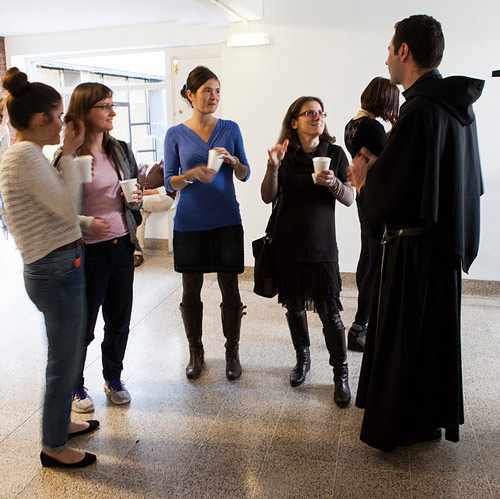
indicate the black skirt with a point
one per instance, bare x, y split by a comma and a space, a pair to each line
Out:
214, 250
309, 283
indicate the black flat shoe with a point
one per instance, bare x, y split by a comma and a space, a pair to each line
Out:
50, 462
93, 425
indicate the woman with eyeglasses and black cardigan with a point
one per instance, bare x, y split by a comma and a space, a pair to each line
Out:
303, 239
109, 249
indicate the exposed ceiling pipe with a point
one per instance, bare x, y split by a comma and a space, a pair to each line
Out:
244, 20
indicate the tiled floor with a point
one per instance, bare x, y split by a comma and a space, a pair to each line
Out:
253, 438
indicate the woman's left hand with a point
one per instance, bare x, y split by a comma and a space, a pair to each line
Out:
325, 177
228, 158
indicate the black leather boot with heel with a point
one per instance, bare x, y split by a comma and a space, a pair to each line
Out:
334, 332
297, 323
231, 326
192, 318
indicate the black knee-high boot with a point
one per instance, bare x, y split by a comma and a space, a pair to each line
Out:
231, 326
192, 318
334, 332
297, 323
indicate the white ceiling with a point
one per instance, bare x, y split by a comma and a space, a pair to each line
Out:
24, 17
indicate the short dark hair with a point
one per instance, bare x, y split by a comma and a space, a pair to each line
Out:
196, 78
26, 99
424, 36
287, 132
381, 98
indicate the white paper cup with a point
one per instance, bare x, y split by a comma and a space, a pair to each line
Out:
128, 187
214, 160
84, 165
321, 163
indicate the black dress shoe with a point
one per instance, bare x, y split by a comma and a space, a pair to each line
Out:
51, 462
302, 367
93, 425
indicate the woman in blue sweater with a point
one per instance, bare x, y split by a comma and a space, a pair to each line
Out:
208, 235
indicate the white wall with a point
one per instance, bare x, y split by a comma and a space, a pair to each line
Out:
331, 50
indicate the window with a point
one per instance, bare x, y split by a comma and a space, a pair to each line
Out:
140, 98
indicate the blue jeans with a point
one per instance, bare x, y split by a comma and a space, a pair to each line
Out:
56, 285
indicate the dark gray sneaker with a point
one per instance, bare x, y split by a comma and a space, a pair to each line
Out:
116, 391
82, 402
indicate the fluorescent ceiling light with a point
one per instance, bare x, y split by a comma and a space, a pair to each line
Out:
248, 39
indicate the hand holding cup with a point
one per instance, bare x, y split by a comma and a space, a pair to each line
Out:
216, 158
129, 190
321, 164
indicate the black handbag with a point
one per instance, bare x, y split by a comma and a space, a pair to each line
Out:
264, 272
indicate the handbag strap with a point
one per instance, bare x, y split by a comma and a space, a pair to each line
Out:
274, 212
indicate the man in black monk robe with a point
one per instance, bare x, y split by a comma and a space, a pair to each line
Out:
427, 183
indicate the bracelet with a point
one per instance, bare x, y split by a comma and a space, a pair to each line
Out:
185, 180
237, 161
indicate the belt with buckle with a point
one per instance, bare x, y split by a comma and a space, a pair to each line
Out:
72, 245
389, 235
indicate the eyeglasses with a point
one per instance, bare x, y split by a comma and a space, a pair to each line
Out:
106, 108
312, 114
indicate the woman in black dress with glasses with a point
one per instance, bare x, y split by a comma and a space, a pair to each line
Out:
304, 240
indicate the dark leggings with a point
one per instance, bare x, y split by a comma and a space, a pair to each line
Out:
192, 283
326, 308
366, 275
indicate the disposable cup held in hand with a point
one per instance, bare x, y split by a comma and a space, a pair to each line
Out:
84, 165
128, 187
214, 160
321, 163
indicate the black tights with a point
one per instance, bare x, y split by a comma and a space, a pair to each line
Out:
326, 308
192, 283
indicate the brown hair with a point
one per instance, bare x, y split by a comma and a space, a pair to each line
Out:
26, 99
287, 132
84, 96
424, 37
196, 78
381, 98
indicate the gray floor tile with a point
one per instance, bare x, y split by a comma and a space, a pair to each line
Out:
446, 485
284, 476
352, 482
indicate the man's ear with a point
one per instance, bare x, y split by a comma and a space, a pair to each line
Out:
404, 51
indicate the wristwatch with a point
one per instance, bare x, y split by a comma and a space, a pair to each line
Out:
185, 180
